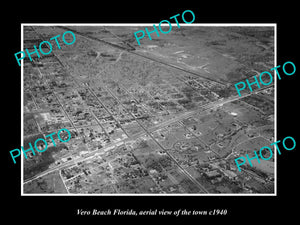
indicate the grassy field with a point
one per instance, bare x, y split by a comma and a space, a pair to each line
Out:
51, 183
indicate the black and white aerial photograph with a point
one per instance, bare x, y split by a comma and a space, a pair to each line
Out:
159, 118
149, 113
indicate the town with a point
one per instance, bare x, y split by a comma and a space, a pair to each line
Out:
161, 118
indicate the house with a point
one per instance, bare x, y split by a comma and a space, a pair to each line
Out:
212, 174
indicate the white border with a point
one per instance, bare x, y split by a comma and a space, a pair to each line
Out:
22, 111
151, 24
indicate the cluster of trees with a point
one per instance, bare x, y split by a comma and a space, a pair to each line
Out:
40, 162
